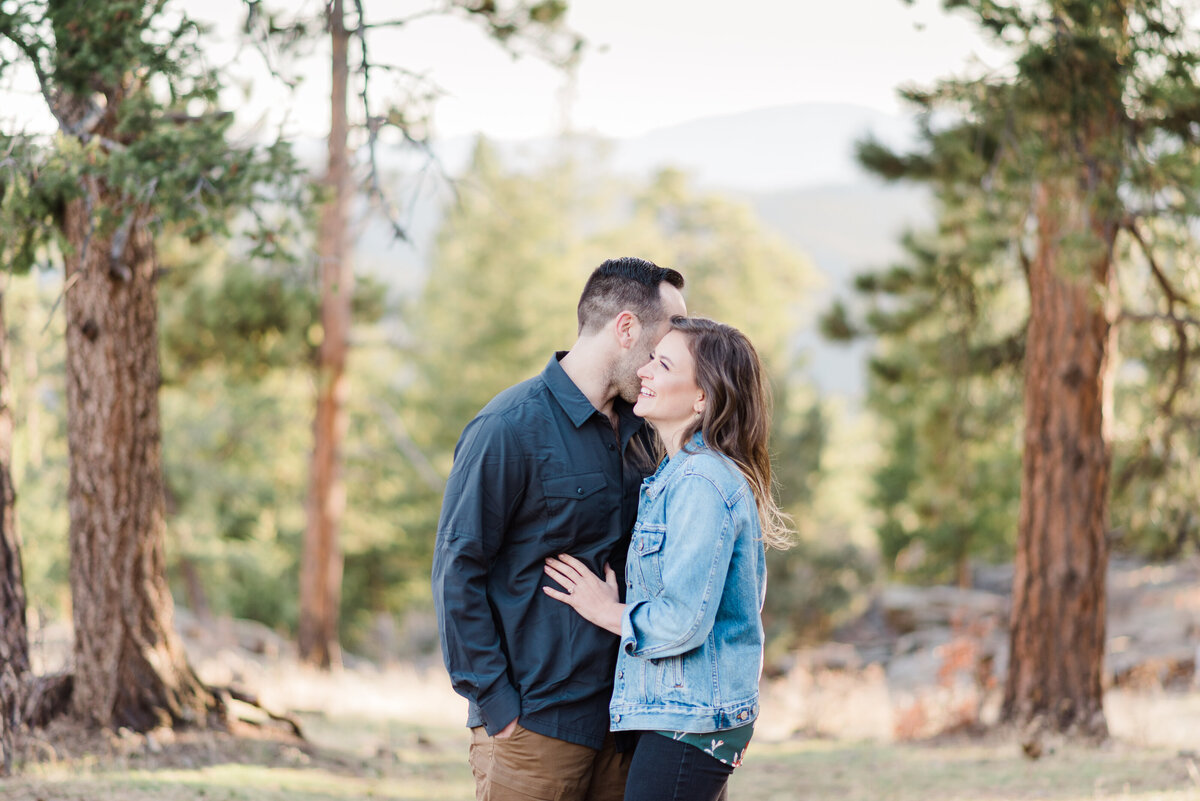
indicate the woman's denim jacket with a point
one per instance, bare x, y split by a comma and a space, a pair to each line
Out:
691, 635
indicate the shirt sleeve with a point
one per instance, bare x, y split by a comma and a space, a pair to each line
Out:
485, 485
697, 550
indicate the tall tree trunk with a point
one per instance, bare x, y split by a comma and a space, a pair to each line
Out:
1058, 615
321, 560
130, 667
14, 637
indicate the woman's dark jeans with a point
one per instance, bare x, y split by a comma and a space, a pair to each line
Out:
667, 770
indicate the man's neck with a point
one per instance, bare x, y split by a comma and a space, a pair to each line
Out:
589, 372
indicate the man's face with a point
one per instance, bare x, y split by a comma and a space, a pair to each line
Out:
628, 383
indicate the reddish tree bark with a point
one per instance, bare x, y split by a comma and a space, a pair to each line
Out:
1058, 617
1057, 635
14, 637
130, 668
321, 560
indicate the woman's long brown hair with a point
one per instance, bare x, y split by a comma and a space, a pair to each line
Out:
737, 412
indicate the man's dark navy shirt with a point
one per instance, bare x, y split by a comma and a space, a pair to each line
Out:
538, 472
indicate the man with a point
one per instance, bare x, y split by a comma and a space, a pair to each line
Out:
552, 465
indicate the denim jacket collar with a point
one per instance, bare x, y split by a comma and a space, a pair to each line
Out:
655, 485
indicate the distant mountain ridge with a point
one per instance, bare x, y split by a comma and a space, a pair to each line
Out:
768, 149
794, 165
845, 230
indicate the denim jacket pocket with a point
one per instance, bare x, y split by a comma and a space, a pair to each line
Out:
670, 675
645, 552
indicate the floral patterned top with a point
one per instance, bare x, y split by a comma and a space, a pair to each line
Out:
728, 746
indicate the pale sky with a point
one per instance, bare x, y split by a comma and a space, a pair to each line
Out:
667, 61
650, 63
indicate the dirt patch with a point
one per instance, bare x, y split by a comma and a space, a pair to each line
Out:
64, 742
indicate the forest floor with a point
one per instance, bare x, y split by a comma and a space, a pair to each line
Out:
834, 725
397, 734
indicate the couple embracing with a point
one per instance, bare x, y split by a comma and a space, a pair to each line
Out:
599, 570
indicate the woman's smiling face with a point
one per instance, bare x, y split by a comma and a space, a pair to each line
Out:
669, 398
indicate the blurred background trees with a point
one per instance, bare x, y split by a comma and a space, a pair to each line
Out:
922, 484
535, 27
1061, 187
141, 145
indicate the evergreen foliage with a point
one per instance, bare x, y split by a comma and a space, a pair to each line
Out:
951, 318
137, 113
512, 257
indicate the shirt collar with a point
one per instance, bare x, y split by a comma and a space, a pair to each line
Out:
569, 397
578, 408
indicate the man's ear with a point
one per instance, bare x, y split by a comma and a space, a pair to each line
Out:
628, 329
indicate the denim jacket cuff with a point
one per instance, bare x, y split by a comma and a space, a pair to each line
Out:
628, 637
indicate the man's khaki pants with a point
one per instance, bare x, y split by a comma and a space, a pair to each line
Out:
528, 766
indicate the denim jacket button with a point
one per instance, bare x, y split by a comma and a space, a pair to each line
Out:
743, 715
616, 718
579, 490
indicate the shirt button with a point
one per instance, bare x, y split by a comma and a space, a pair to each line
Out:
579, 490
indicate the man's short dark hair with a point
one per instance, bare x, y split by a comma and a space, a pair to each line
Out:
627, 283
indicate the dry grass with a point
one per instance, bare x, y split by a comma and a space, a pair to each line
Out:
961, 771
397, 734
429, 763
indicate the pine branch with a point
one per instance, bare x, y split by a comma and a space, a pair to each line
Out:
374, 124
1173, 295
405, 443
1173, 319
1179, 323
401, 22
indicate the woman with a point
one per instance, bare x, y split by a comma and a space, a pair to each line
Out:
691, 633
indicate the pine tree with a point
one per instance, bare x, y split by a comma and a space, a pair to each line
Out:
499, 300
140, 143
1075, 169
519, 27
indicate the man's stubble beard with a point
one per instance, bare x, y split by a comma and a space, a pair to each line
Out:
625, 377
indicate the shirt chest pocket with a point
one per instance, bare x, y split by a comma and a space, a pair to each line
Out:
576, 508
645, 557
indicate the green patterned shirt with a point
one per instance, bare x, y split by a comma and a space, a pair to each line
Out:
728, 746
